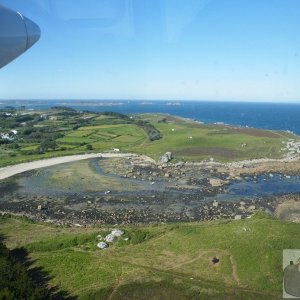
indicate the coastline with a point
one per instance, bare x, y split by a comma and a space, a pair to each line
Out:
286, 164
110, 209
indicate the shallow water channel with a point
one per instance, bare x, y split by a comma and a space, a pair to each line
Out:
40, 182
266, 185
82, 192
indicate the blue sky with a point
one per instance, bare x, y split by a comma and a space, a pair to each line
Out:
246, 50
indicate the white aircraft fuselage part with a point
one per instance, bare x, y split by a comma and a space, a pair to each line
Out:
17, 34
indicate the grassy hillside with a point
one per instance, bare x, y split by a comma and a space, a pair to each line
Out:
190, 140
161, 261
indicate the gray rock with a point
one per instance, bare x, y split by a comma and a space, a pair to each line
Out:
110, 238
215, 203
117, 232
165, 158
252, 207
102, 245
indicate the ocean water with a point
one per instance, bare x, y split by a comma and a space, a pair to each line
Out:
275, 116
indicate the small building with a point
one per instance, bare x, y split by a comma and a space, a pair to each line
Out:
44, 116
5, 136
116, 149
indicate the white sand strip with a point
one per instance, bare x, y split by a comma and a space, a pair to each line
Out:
38, 164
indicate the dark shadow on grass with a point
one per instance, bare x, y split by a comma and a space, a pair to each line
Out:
40, 276
2, 238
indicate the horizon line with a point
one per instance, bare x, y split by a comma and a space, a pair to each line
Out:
154, 100
162, 100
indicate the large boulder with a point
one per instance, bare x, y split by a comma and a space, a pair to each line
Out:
117, 232
102, 245
215, 204
165, 158
110, 238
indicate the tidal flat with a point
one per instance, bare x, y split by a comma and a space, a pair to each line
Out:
132, 190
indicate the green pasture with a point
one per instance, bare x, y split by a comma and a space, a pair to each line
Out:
106, 137
186, 139
193, 141
172, 260
29, 147
22, 158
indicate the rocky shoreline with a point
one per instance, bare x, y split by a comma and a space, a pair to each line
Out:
189, 195
206, 212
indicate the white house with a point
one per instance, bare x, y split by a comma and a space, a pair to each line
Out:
5, 136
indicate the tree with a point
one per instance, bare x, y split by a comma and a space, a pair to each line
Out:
47, 144
15, 281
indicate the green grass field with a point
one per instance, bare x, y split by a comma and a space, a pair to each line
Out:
106, 137
190, 140
161, 261
186, 139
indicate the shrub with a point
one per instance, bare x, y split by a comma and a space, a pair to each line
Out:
59, 243
47, 144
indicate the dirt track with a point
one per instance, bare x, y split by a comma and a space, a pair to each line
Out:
9, 171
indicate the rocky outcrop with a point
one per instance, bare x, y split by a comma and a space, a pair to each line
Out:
215, 182
165, 158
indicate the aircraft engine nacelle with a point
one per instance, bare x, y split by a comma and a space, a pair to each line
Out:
17, 34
